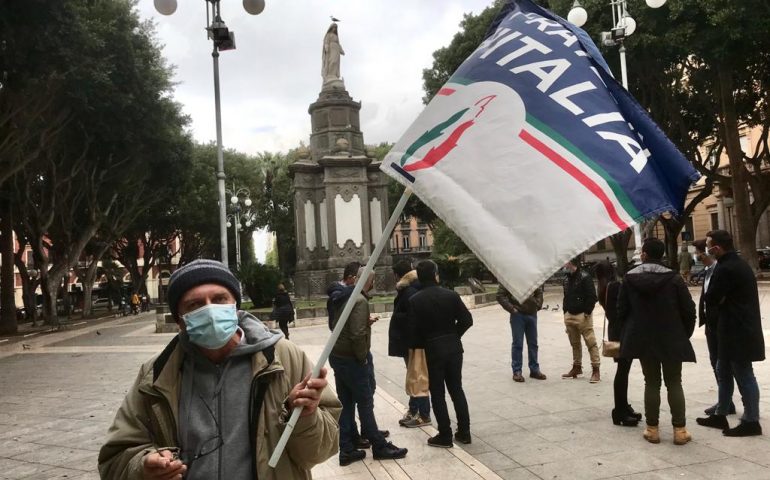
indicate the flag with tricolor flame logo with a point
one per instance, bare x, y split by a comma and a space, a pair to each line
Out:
533, 152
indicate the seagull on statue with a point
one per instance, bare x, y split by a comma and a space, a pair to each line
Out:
334, 19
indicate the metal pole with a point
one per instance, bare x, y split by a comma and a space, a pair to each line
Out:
220, 162
238, 237
384, 239
637, 229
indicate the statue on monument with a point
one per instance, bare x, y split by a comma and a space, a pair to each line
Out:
330, 59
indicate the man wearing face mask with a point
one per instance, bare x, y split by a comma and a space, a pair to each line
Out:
578, 305
708, 317
214, 403
733, 298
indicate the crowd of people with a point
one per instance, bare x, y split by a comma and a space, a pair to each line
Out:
214, 403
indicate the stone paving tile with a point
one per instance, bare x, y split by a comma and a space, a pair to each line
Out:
10, 468
728, 468
56, 474
529, 454
600, 466
496, 460
446, 470
11, 448
55, 456
517, 474
676, 473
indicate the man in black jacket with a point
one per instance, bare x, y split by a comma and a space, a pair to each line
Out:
657, 313
578, 305
398, 338
709, 317
733, 295
438, 318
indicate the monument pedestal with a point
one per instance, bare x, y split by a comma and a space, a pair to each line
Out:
341, 198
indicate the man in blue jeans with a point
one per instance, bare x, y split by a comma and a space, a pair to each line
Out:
732, 294
523, 324
350, 358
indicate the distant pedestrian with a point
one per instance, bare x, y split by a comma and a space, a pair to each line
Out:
135, 303
578, 305
407, 285
439, 318
145, 303
708, 317
685, 263
609, 288
283, 310
523, 318
658, 317
732, 296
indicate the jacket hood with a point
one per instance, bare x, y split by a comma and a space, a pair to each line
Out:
650, 277
338, 292
409, 278
256, 337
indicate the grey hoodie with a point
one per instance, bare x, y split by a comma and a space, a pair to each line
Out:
214, 405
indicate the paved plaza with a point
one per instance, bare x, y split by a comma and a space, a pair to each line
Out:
59, 394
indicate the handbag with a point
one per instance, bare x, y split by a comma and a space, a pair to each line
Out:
610, 348
417, 374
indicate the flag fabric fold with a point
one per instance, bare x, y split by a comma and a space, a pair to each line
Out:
532, 151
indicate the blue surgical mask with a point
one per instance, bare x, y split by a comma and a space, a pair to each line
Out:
211, 326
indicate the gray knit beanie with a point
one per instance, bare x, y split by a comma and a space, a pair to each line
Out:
199, 272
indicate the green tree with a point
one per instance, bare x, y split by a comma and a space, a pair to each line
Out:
195, 208
276, 210
123, 137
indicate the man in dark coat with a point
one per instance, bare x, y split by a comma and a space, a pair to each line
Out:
578, 305
733, 295
438, 318
709, 318
658, 317
398, 338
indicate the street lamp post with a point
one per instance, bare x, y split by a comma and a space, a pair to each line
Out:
222, 39
623, 26
239, 214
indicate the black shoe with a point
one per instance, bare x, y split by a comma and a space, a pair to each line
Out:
631, 412
714, 421
346, 458
624, 417
389, 452
744, 429
712, 410
439, 441
463, 437
361, 443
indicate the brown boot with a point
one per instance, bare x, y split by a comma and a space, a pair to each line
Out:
595, 374
681, 436
574, 372
651, 434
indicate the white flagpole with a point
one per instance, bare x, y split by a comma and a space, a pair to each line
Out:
384, 238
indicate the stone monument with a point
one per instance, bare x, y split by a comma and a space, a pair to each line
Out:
340, 195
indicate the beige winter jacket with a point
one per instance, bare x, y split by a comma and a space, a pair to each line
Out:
148, 418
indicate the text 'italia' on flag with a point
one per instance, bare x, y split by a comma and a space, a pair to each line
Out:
532, 151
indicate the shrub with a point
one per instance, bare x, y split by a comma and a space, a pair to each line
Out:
260, 282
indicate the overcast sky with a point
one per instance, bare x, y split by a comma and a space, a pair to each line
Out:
275, 73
